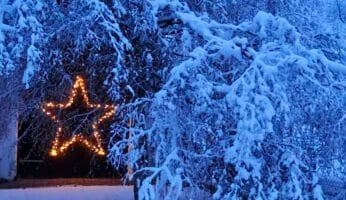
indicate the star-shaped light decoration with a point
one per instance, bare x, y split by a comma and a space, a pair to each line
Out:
60, 146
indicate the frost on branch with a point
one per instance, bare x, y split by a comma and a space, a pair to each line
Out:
20, 34
220, 122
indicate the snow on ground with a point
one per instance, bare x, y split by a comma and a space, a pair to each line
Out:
69, 192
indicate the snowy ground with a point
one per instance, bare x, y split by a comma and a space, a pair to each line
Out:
69, 192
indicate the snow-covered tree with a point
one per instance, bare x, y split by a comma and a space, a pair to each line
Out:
222, 120
80, 38
20, 36
47, 45
216, 99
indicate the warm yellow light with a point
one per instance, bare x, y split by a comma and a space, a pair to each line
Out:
53, 152
109, 111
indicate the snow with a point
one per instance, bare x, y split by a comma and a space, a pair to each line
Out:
254, 75
284, 32
263, 55
69, 192
317, 55
33, 56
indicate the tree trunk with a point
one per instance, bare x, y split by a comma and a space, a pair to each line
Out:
8, 149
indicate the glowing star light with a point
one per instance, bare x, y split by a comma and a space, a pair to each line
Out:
59, 146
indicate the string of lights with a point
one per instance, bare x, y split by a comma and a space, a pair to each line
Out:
58, 146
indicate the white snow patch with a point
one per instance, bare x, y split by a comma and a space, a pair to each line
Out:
69, 192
